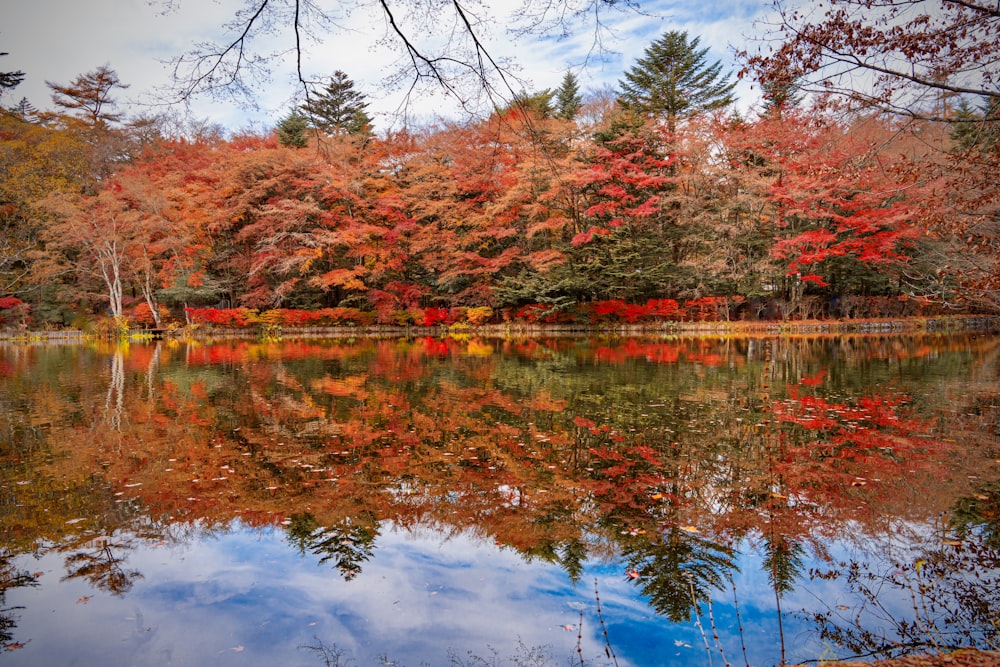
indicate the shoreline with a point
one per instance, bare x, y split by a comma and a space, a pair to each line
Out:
986, 324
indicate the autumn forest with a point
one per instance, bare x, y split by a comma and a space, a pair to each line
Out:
656, 200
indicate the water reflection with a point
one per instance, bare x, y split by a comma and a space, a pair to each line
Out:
778, 499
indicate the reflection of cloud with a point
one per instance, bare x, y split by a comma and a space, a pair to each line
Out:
248, 597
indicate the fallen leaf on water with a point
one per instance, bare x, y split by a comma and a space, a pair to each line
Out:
13, 646
842, 607
567, 628
83, 600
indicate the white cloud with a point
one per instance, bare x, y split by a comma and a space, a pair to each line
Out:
57, 40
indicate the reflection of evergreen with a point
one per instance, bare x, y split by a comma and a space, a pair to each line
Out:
346, 544
679, 570
571, 556
782, 561
10, 578
979, 514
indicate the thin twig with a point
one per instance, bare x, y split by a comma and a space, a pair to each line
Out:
697, 622
739, 620
608, 651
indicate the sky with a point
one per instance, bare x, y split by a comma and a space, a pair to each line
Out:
58, 40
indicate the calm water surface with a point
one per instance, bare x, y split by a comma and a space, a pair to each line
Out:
485, 502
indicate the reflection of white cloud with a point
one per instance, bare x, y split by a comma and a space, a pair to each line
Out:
249, 598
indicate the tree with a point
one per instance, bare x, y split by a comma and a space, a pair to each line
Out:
9, 80
338, 108
90, 94
972, 192
850, 214
902, 56
912, 59
292, 130
91, 235
35, 161
673, 81
568, 97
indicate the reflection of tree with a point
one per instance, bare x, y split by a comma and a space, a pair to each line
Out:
678, 570
783, 563
952, 594
102, 568
551, 450
114, 402
10, 577
347, 544
979, 513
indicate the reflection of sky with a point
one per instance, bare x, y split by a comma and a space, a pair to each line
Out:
249, 598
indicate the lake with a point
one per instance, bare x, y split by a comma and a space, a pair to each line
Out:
476, 501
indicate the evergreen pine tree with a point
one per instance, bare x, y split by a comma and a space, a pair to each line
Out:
24, 109
976, 127
779, 96
673, 81
9, 80
338, 108
539, 103
292, 130
568, 98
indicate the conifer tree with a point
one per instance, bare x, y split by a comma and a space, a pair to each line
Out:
9, 80
291, 130
673, 81
568, 98
539, 103
338, 108
91, 95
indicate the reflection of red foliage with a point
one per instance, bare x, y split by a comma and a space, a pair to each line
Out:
870, 437
435, 347
814, 380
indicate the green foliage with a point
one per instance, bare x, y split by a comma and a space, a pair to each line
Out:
568, 99
338, 108
977, 126
539, 103
292, 130
673, 81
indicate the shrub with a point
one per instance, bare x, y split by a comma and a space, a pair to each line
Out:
478, 315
